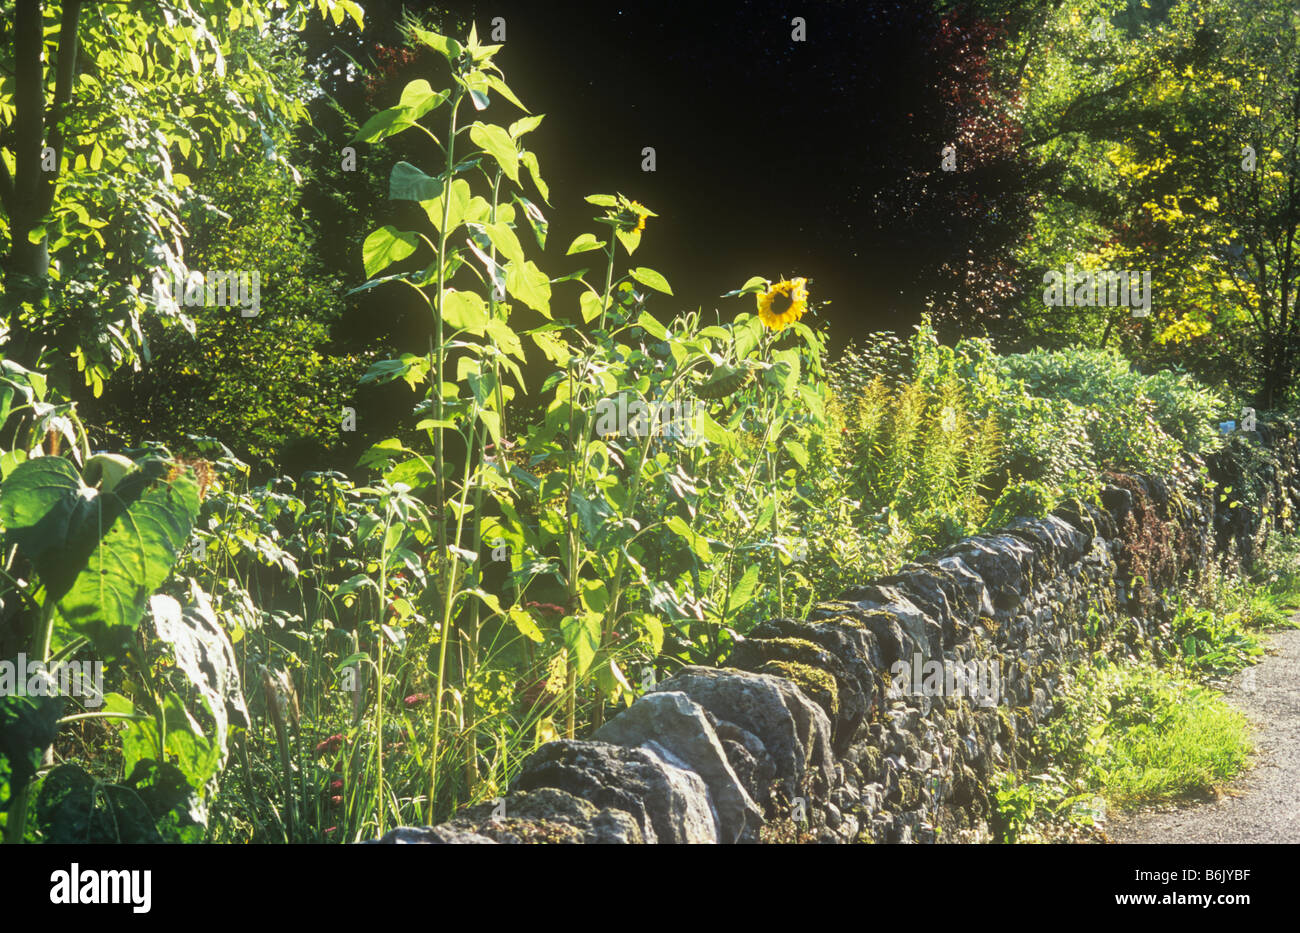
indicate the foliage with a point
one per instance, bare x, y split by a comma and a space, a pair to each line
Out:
591, 488
162, 89
1043, 807
916, 457
86, 552
1167, 125
619, 505
1214, 643
1153, 419
930, 443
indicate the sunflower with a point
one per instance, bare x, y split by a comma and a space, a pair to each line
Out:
631, 215
783, 303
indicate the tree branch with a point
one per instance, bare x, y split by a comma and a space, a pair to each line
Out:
67, 68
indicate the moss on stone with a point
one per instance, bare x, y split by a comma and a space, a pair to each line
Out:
880, 615
909, 792
870, 761
819, 686
797, 649
1007, 723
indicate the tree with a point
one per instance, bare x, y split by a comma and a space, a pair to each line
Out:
1176, 135
94, 152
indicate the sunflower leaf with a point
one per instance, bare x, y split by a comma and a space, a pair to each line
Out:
651, 279
753, 286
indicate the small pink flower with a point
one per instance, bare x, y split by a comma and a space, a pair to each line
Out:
545, 608
330, 745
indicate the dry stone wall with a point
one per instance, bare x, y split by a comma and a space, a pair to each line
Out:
885, 715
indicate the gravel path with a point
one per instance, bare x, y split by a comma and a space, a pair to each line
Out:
1263, 804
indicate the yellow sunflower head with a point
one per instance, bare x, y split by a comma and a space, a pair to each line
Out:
631, 215
783, 303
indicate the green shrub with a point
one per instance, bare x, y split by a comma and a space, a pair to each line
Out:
1045, 440
1141, 422
1025, 497
1215, 643
935, 442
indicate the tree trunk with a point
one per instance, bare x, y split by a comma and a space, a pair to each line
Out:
29, 194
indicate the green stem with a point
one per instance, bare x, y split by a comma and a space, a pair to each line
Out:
580, 459
379, 667
474, 622
447, 609
78, 717
731, 555
776, 530
438, 353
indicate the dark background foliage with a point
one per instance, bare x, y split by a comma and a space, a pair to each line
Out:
819, 158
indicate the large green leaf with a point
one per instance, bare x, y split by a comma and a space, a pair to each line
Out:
386, 246
525, 125
443, 45
651, 279
27, 728
138, 530
458, 210
529, 284
529, 159
386, 123
497, 142
406, 182
419, 98
504, 239
536, 219
584, 243
581, 634
37, 503
504, 90
465, 311
196, 756
176, 807
204, 653
744, 590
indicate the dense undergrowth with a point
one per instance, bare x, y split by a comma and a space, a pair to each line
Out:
319, 659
